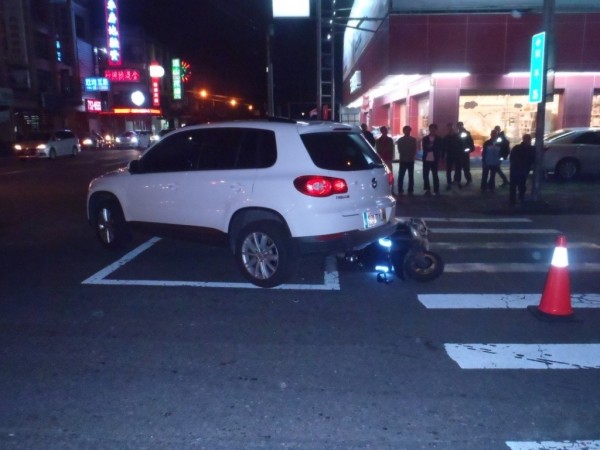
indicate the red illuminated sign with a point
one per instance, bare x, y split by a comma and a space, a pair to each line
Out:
93, 105
113, 38
122, 75
155, 92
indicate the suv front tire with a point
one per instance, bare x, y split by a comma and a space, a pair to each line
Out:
263, 252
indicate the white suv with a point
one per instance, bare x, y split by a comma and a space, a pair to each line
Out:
273, 189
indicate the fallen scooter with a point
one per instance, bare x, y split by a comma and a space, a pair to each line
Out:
406, 253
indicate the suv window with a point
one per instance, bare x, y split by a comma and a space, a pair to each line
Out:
340, 151
591, 137
175, 154
212, 149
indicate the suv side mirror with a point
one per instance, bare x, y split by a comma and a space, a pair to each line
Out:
135, 166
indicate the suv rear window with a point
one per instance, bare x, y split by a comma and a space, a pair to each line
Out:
340, 151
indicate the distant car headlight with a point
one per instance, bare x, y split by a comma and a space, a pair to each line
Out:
87, 141
18, 147
41, 147
118, 140
134, 140
108, 138
154, 138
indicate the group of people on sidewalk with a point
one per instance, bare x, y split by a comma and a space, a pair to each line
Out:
455, 148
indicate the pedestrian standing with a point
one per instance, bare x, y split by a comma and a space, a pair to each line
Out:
468, 147
452, 151
385, 147
407, 149
432, 151
504, 152
490, 161
367, 134
522, 158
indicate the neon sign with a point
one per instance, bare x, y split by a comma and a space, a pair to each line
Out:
113, 37
93, 105
176, 72
123, 75
93, 84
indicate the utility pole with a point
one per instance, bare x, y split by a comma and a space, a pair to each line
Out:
270, 95
548, 65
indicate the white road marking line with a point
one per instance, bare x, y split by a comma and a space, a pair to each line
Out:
499, 301
525, 356
477, 220
514, 267
509, 245
331, 281
553, 445
494, 230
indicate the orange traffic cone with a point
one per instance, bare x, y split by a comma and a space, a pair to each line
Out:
556, 298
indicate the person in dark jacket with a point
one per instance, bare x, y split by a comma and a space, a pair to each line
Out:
452, 151
432, 152
490, 162
504, 152
367, 134
468, 147
407, 150
522, 159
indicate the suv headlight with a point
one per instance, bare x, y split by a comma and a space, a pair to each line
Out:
41, 146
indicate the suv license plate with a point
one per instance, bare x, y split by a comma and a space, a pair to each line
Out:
373, 218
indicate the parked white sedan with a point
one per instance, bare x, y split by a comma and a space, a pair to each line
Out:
571, 152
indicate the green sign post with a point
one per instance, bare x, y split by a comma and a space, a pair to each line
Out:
537, 72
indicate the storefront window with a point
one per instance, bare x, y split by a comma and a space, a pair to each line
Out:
423, 105
514, 114
595, 120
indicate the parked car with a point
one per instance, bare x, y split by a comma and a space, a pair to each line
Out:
571, 152
274, 190
50, 144
146, 138
91, 140
128, 139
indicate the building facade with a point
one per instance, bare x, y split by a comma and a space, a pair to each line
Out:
44, 51
420, 64
53, 61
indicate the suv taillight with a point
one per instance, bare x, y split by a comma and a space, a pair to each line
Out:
319, 186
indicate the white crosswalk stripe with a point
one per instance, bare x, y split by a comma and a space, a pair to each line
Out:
511, 356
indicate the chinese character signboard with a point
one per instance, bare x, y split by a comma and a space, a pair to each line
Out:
122, 75
93, 105
176, 72
113, 37
537, 72
94, 84
155, 92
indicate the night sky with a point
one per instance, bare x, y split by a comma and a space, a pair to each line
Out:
225, 42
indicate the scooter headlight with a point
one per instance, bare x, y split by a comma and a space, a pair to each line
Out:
385, 242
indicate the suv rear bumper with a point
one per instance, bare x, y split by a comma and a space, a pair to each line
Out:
342, 242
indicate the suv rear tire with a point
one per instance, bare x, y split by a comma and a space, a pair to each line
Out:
263, 252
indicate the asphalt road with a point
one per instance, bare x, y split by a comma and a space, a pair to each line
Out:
166, 347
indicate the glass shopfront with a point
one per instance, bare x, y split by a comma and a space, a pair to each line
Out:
513, 113
595, 117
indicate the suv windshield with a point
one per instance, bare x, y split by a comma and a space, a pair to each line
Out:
340, 151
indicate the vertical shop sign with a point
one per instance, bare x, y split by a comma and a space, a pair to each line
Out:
113, 37
537, 72
176, 73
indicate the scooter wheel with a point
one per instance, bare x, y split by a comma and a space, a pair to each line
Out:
424, 266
